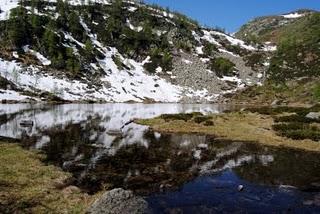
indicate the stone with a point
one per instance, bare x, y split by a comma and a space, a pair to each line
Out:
240, 188
276, 102
313, 115
119, 201
26, 123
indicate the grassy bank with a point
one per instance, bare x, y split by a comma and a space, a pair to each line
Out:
301, 92
29, 186
240, 126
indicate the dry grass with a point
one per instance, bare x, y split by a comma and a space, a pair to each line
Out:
234, 126
29, 186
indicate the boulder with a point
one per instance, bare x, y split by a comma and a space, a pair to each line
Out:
119, 201
313, 115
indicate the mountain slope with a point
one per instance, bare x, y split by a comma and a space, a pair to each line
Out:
294, 72
118, 51
271, 28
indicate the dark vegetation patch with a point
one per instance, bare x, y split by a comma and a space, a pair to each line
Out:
201, 119
184, 117
266, 110
316, 92
294, 118
301, 134
222, 67
297, 125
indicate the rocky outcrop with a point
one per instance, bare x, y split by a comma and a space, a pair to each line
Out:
119, 201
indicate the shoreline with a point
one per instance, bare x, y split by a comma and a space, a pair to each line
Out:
239, 126
30, 185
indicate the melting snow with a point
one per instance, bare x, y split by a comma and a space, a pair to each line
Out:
11, 95
293, 15
6, 6
235, 41
39, 56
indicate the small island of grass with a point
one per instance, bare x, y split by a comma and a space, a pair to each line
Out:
282, 126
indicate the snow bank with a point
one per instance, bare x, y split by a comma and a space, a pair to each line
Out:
293, 15
6, 6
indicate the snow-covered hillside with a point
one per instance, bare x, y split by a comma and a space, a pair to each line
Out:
191, 79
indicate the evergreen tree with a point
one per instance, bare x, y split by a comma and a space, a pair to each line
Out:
73, 64
50, 40
18, 27
75, 26
89, 51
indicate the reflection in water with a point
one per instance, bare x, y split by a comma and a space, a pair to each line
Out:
191, 171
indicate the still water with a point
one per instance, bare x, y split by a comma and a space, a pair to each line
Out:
176, 173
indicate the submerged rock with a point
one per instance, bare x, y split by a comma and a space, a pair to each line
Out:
240, 188
119, 201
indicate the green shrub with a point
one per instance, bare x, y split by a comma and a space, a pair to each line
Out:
184, 117
289, 126
208, 123
209, 49
296, 118
278, 110
302, 134
201, 119
254, 59
222, 67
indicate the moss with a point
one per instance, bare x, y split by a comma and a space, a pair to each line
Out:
29, 186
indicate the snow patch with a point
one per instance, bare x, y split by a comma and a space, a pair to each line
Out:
293, 15
39, 56
6, 6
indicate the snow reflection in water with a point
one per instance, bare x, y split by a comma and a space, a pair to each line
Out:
86, 140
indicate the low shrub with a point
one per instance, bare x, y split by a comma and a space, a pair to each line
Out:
222, 67
296, 118
184, 117
201, 119
208, 123
302, 134
289, 126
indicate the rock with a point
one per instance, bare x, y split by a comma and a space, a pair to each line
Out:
313, 115
276, 102
240, 188
71, 190
26, 123
119, 201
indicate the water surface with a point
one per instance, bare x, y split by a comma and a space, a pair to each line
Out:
176, 173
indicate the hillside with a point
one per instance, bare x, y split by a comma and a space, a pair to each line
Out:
294, 72
119, 51
271, 28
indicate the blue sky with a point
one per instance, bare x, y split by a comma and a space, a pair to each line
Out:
231, 14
